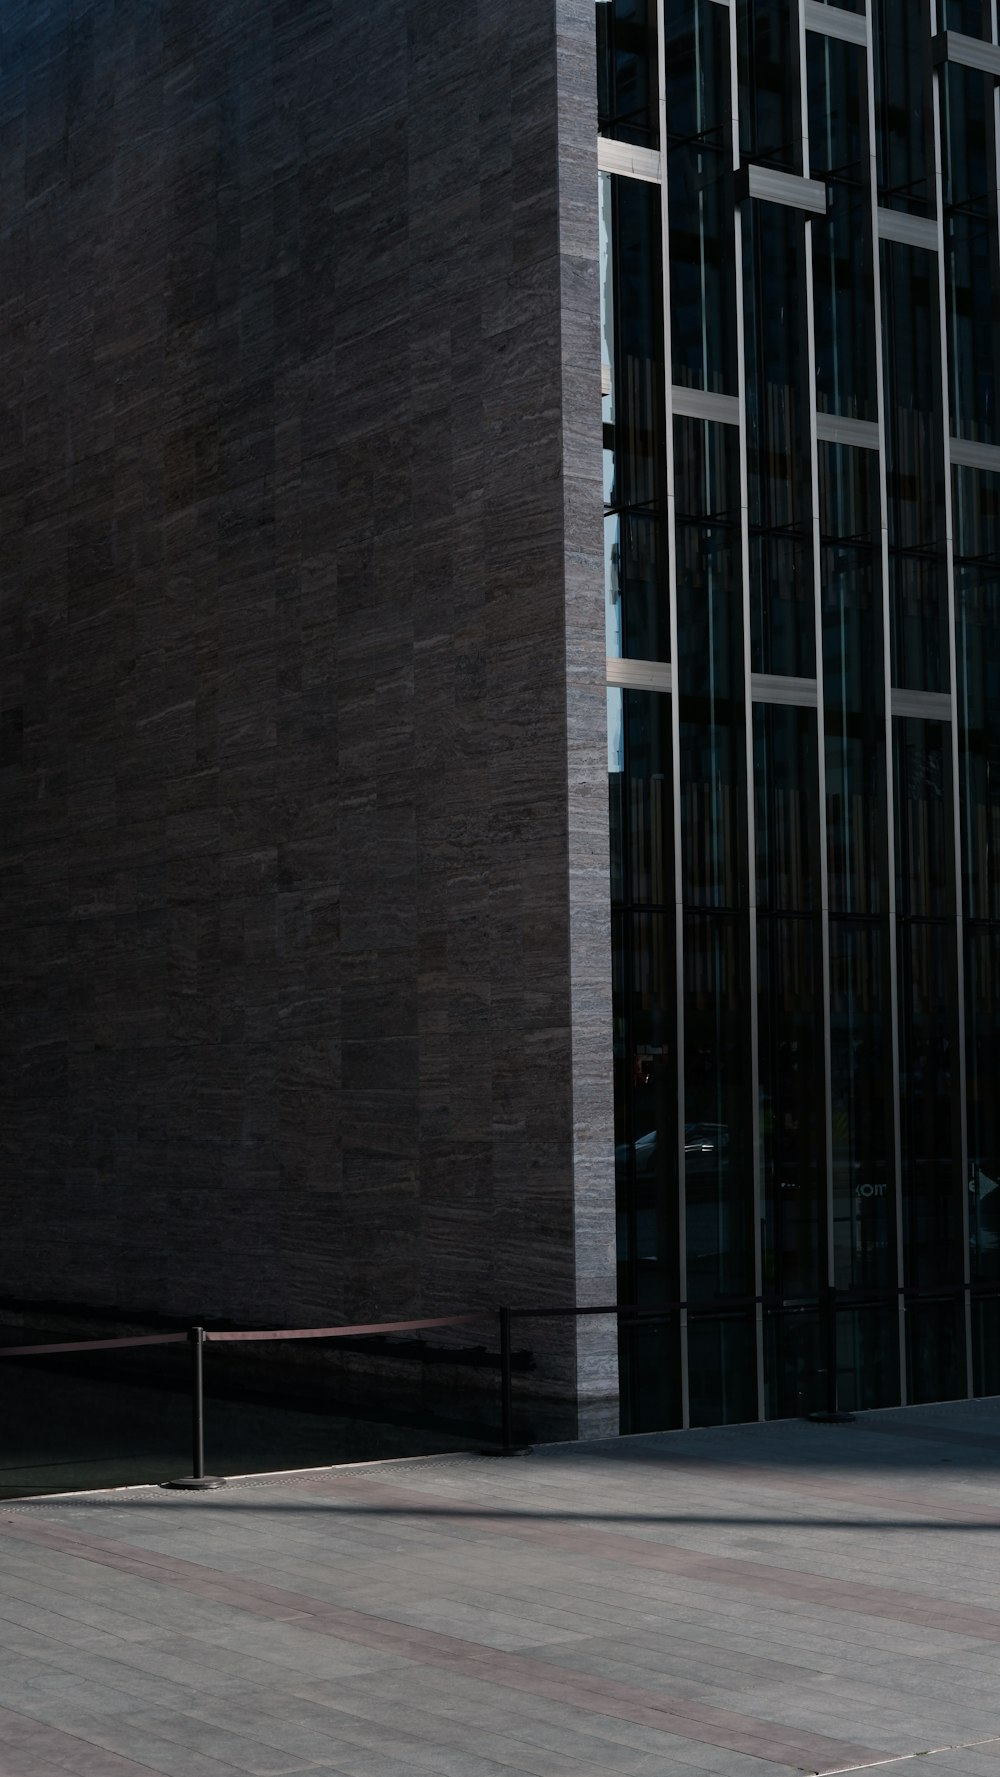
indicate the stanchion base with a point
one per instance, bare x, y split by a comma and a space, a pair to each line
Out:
826, 1418
197, 1483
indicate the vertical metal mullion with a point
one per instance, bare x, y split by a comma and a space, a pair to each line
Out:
890, 808
751, 838
936, 78
675, 726
820, 683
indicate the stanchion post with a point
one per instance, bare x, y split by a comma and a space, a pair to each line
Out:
506, 1383
197, 1480
196, 1337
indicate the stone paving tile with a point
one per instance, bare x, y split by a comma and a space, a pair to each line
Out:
733, 1603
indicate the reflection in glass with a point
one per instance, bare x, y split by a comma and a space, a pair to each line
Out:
717, 1131
637, 619
626, 71
862, 1106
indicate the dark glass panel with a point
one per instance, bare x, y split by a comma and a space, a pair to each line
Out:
918, 612
699, 171
913, 415
970, 18
982, 1074
838, 110
646, 1067
702, 265
867, 1358
935, 1351
707, 472
930, 1151
698, 90
903, 108
845, 5
617, 798
780, 480
722, 1367
853, 679
849, 500
924, 830
638, 395
636, 577
650, 1374
968, 164
973, 299
770, 106
627, 80
928, 1097
986, 1346
862, 1107
786, 805
634, 417
782, 605
792, 1100
717, 1132
793, 1363
844, 296
710, 665
978, 606
642, 824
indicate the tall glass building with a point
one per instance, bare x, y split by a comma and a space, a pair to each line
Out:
799, 275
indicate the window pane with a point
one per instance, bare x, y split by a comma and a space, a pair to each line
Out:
903, 108
977, 599
931, 1173
914, 424
786, 806
626, 71
770, 106
642, 826
923, 803
792, 1099
634, 417
717, 1131
982, 1068
853, 678
701, 207
863, 1176
646, 1063
722, 1366
710, 665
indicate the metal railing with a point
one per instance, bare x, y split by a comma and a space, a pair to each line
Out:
827, 1303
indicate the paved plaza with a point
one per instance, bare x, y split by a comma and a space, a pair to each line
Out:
742, 1602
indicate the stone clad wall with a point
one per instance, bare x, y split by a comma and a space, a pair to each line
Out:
304, 901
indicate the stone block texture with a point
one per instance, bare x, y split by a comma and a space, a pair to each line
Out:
304, 949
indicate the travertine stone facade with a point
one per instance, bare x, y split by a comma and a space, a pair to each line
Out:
304, 925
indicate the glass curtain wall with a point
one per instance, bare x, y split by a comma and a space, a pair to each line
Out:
802, 510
